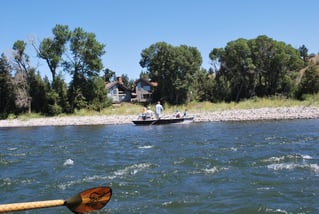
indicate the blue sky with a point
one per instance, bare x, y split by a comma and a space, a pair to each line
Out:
127, 27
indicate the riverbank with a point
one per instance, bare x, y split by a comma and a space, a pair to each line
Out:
280, 113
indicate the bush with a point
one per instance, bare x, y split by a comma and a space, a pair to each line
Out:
54, 110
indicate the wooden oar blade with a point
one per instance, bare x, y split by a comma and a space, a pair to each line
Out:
90, 200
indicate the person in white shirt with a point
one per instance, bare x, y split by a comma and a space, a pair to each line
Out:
158, 110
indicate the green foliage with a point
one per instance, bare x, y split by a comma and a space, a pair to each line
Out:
261, 66
86, 54
22, 78
109, 75
126, 81
51, 50
310, 99
173, 68
100, 99
85, 64
38, 92
310, 81
76, 98
204, 86
20, 57
54, 109
60, 88
7, 95
303, 51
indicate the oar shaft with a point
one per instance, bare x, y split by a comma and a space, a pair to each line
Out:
30, 205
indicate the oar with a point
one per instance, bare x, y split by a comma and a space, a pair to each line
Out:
86, 201
154, 122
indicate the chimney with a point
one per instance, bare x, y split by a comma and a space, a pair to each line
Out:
119, 80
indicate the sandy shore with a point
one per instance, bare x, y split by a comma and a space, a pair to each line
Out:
282, 113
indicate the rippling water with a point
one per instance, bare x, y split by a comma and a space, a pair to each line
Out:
218, 167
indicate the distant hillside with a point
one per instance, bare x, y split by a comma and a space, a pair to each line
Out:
315, 59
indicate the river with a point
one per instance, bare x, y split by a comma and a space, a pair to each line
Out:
209, 167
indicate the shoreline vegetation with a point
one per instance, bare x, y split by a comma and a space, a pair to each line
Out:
250, 110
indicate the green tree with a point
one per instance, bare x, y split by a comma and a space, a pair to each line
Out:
173, 68
21, 59
222, 89
7, 95
238, 68
85, 63
21, 78
61, 97
260, 66
109, 75
38, 92
127, 82
303, 51
144, 75
52, 49
263, 51
310, 81
99, 93
285, 63
204, 84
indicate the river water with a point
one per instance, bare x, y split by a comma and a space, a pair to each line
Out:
214, 167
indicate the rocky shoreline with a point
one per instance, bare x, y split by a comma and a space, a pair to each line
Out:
280, 113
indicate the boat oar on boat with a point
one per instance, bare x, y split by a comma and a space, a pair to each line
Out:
84, 202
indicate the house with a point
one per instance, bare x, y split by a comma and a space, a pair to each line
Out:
118, 91
143, 90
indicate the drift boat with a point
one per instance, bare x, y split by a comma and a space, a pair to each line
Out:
161, 121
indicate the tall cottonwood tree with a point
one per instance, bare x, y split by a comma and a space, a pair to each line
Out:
238, 68
21, 79
84, 63
52, 49
173, 68
261, 66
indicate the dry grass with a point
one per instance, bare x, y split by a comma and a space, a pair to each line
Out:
273, 102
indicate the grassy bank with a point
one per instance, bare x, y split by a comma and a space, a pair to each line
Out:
196, 107
273, 102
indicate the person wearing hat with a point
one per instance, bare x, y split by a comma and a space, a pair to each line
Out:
144, 113
149, 112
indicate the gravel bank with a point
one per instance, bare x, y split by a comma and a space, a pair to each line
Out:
282, 113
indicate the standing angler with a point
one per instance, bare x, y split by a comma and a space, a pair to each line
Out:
158, 110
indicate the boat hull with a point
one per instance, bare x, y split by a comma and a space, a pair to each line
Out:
162, 121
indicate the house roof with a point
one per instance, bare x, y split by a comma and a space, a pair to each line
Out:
110, 84
116, 83
154, 84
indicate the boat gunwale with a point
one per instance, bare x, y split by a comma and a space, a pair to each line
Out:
162, 121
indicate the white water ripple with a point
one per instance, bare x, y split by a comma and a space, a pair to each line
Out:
133, 169
287, 157
293, 166
145, 147
68, 162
